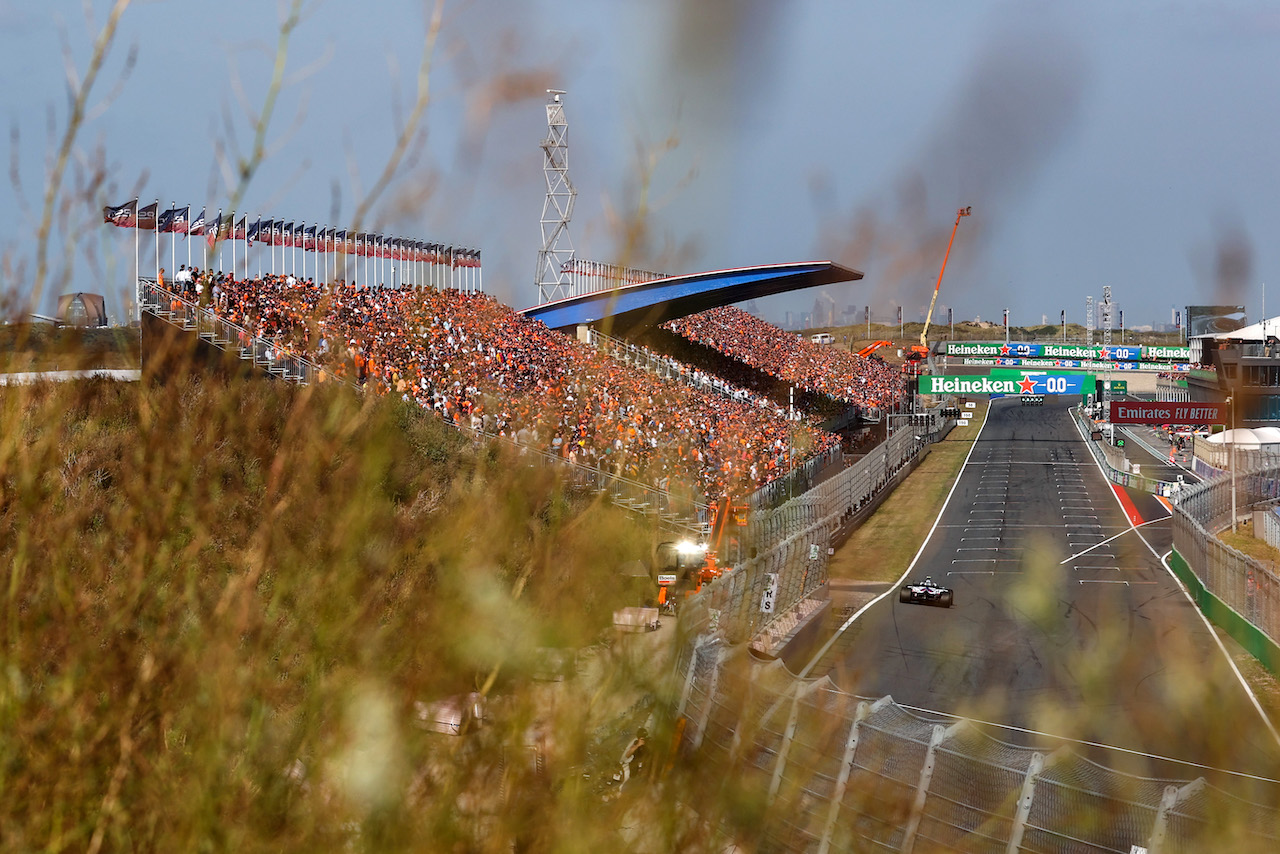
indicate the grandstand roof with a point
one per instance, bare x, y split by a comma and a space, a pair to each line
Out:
631, 308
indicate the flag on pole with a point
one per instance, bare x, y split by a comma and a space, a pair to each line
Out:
164, 224
284, 234
147, 217
299, 235
196, 227
241, 231
309, 239
254, 232
121, 216
181, 220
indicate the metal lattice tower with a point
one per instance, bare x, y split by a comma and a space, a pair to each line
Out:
554, 258
1105, 309
1088, 321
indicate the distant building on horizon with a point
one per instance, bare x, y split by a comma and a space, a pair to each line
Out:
80, 309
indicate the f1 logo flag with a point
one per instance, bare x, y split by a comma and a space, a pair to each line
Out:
121, 216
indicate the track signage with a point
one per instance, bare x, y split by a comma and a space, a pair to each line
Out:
1145, 412
1115, 353
1030, 384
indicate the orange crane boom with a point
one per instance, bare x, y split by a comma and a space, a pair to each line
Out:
963, 212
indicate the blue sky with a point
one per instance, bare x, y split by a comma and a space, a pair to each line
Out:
1130, 145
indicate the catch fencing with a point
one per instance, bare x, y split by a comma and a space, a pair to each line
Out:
784, 548
838, 772
1248, 587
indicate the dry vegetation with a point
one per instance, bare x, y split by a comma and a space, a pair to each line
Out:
224, 602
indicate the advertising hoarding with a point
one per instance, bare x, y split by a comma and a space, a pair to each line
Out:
1030, 384
1146, 412
1113, 353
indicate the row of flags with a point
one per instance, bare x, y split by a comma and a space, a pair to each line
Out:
280, 233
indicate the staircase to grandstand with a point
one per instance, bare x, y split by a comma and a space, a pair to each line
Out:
692, 519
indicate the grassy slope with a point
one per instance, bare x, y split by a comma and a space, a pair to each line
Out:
41, 347
222, 605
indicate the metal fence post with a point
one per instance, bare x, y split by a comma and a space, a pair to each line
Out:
1161, 826
846, 768
940, 734
1025, 799
787, 735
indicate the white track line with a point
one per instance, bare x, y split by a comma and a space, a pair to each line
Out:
856, 614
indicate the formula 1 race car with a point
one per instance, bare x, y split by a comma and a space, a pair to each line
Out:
926, 593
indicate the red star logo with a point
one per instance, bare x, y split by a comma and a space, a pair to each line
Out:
1106, 352
1026, 385
1004, 350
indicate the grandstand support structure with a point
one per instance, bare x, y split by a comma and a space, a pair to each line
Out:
553, 277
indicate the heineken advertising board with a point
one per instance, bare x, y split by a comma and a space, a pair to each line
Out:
1116, 352
1029, 384
1096, 367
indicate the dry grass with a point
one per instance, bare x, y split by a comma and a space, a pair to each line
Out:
40, 347
223, 603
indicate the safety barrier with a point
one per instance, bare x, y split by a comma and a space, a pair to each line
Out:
1165, 488
1234, 590
844, 773
787, 540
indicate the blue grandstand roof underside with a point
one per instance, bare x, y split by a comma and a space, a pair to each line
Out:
636, 307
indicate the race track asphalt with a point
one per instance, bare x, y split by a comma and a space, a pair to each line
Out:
1065, 621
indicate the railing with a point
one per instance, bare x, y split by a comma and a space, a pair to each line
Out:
664, 366
270, 355
838, 772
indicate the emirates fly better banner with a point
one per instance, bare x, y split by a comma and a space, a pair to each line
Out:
1031, 384
1129, 412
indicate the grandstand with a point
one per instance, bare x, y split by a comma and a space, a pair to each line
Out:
481, 365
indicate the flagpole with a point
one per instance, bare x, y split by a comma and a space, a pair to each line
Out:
137, 273
155, 230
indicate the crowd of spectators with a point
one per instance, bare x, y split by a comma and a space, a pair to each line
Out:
866, 382
480, 364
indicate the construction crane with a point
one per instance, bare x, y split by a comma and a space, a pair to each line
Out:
924, 333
